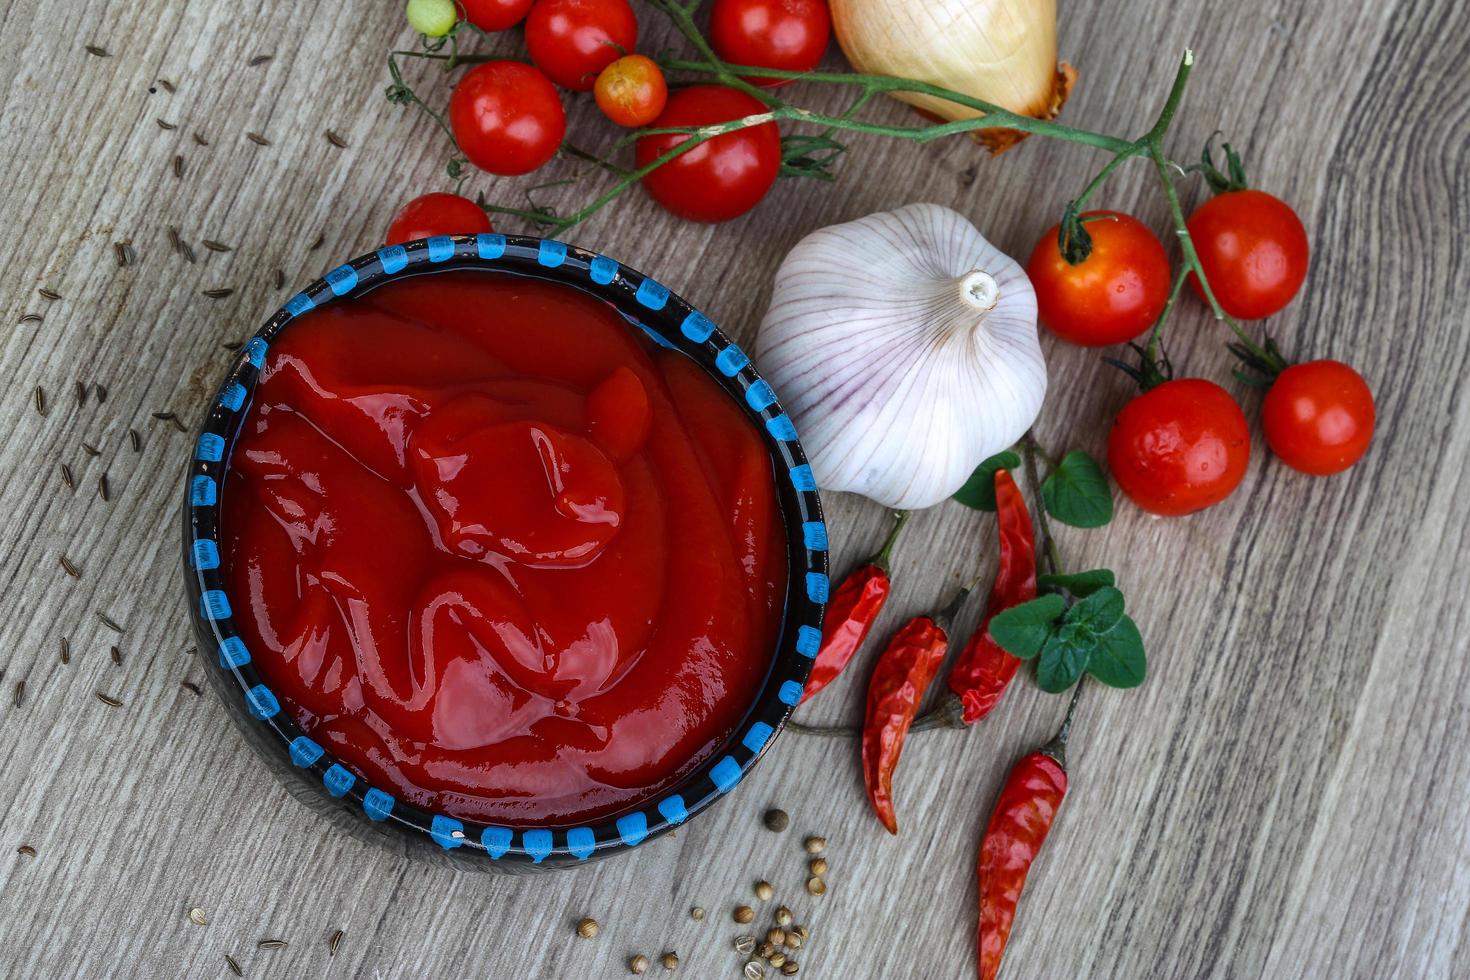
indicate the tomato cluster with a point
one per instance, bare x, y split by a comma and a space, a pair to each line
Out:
509, 119
1181, 446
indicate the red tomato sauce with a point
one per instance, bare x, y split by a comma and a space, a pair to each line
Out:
498, 552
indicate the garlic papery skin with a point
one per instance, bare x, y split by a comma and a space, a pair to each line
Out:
1000, 51
903, 345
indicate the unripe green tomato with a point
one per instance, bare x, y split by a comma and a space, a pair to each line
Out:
432, 18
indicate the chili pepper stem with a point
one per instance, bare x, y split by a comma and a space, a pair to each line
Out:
948, 713
1057, 747
885, 553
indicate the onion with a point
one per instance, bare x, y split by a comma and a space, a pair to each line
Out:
1000, 51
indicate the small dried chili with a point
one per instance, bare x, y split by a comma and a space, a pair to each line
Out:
1018, 827
901, 676
851, 611
983, 670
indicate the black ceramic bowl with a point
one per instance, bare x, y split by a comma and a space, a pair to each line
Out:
330, 787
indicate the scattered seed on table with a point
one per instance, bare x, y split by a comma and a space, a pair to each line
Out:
588, 928
177, 424
754, 970
815, 845
199, 138
669, 960
697, 914
272, 944
776, 936
744, 914
116, 657
27, 850
232, 345
135, 439
766, 949
20, 693
163, 416
816, 886
91, 450
66, 477
125, 254
102, 488
191, 687
321, 240
110, 623
790, 968
793, 941
101, 391
335, 140
783, 916
197, 916
216, 246
31, 318
258, 60
234, 967
165, 124
81, 393
802, 931
50, 294
818, 866
178, 166
166, 85
744, 944
97, 51
777, 820
71, 567
40, 400
334, 942
181, 246
777, 959
65, 650
280, 279
638, 965
257, 139
220, 293
764, 891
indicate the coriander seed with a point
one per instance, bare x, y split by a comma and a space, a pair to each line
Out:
765, 950
744, 914
815, 845
777, 820
793, 941
818, 866
754, 971
776, 936
588, 928
744, 944
638, 965
789, 968
670, 960
777, 960
816, 886
803, 932
197, 916
764, 891
697, 914
783, 916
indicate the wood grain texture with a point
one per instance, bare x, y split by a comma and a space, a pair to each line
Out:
1287, 796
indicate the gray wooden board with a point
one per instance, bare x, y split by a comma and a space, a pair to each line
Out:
1287, 796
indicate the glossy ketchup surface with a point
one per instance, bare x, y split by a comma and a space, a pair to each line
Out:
497, 552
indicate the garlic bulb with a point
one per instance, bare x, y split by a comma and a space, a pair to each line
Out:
1002, 51
904, 347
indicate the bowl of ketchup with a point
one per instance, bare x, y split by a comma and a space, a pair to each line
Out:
500, 553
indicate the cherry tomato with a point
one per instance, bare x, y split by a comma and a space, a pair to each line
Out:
437, 214
573, 40
631, 91
1319, 417
723, 177
787, 34
1180, 447
1113, 295
495, 15
1253, 249
506, 117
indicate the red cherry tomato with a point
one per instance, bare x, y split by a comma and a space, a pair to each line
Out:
787, 34
631, 91
1319, 417
437, 214
495, 15
1253, 249
1113, 295
723, 177
1180, 447
573, 40
506, 117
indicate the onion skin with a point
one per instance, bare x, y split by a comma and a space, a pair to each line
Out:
1001, 51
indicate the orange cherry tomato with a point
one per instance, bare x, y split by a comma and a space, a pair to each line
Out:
631, 91
1113, 295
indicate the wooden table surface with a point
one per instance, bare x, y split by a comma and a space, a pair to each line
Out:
1287, 796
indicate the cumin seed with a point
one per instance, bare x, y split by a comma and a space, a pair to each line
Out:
110, 623
336, 140
97, 51
40, 401
234, 967
165, 124
178, 166
108, 699
334, 942
116, 657
181, 246
257, 139
179, 424
218, 293
20, 693
71, 567
166, 85
280, 279
27, 850
65, 650
163, 416
102, 490
125, 254
81, 393
216, 246
66, 477
271, 944
91, 450
199, 138
101, 390
320, 241
193, 689
135, 439
48, 293
232, 345
258, 60
31, 318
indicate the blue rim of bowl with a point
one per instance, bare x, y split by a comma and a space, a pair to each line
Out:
670, 322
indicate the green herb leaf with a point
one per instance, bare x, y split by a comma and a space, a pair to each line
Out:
1080, 584
1118, 659
979, 490
1077, 492
1022, 630
1097, 613
1063, 659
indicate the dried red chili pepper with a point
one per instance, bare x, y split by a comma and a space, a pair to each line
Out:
902, 674
1018, 827
983, 670
851, 611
